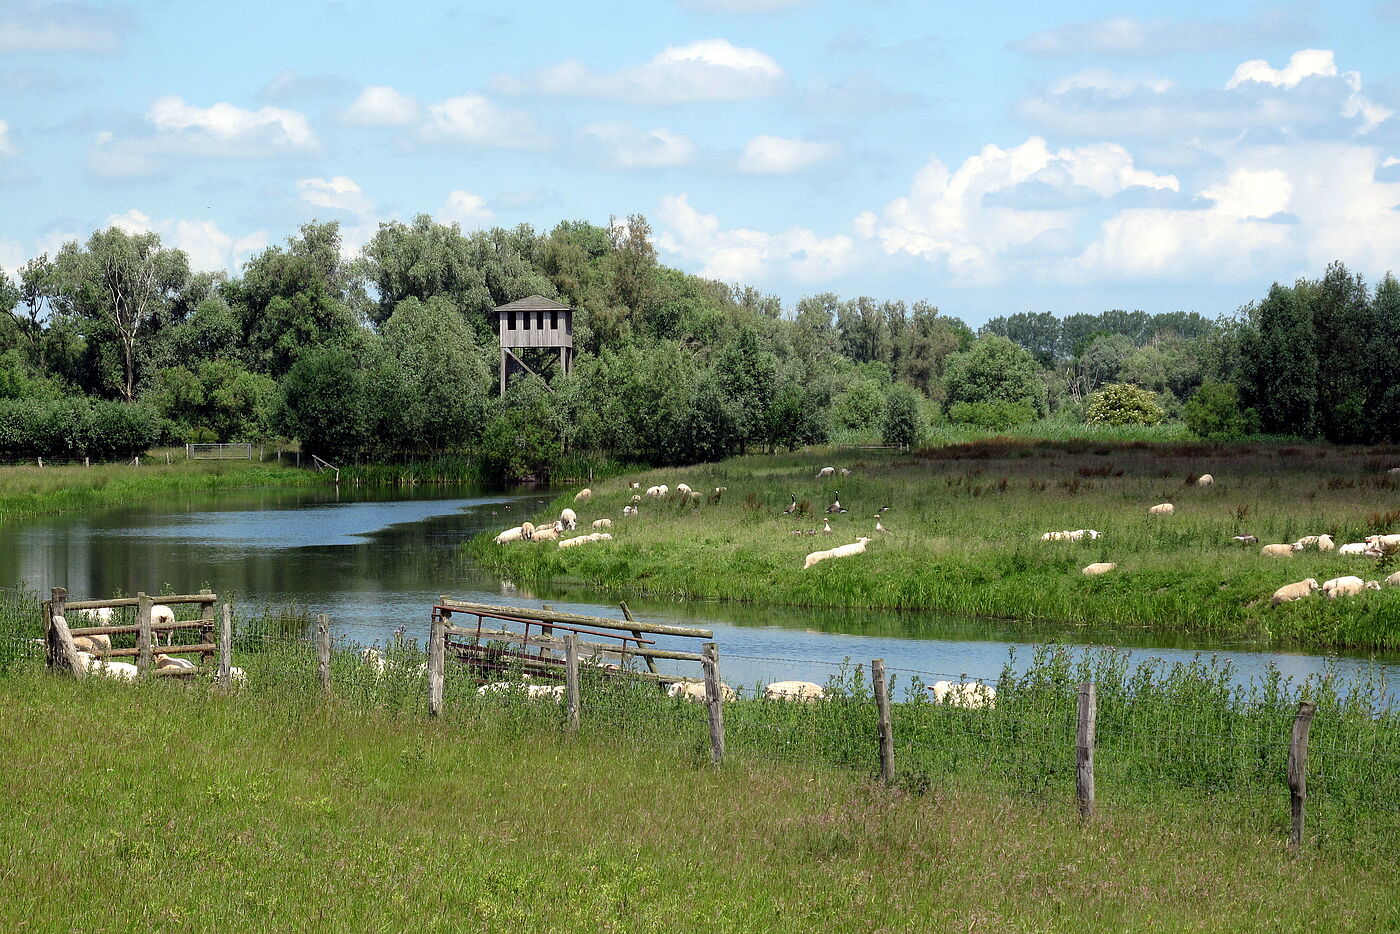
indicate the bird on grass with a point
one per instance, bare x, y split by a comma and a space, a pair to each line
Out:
826, 527
879, 526
791, 507
836, 504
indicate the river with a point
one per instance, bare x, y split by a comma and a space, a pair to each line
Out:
375, 560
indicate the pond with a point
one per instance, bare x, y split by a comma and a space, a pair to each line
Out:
375, 560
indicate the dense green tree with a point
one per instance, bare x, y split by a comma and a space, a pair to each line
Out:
1214, 413
326, 401
1038, 333
748, 374
1280, 365
994, 369
903, 419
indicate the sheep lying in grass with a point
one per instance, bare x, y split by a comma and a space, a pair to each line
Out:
585, 539
99, 616
695, 691
170, 661
1161, 509
1290, 592
1347, 587
122, 671
840, 551
532, 691
89, 643
602, 524
583, 496
1364, 549
1100, 567
1077, 535
1386, 543
1205, 479
511, 535
1320, 542
1277, 551
570, 519
1393, 580
964, 694
548, 533
794, 690
629, 511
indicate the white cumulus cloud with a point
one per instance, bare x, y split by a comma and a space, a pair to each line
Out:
208, 247
463, 207
740, 254
474, 121
1313, 63
379, 105
629, 147
340, 194
1003, 203
707, 70
777, 155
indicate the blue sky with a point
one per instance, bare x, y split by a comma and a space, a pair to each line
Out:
988, 158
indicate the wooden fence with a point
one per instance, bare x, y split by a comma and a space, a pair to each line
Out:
63, 653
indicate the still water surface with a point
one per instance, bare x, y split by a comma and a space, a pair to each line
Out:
375, 560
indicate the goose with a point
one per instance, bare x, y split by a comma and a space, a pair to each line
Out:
826, 527
791, 507
879, 526
836, 504
883, 509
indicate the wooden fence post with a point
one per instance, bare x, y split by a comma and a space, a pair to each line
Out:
883, 726
226, 647
1084, 749
437, 651
62, 652
651, 662
1298, 769
206, 632
143, 634
571, 677
714, 701
323, 651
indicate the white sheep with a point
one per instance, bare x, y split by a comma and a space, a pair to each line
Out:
695, 691
845, 472
1304, 542
374, 658
635, 499
89, 643
1347, 587
794, 690
1071, 536
664, 490
570, 519
1394, 471
840, 551
683, 490
162, 615
653, 492
629, 511
1161, 509
826, 472
1205, 479
98, 616
1393, 580
122, 671
964, 693
1360, 548
585, 539
1325, 543
548, 533
1386, 543
602, 524
170, 661
634, 485
583, 496
1277, 551
1099, 567
1291, 592
510, 535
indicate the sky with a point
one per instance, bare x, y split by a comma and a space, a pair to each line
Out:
988, 158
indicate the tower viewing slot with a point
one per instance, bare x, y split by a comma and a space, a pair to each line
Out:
534, 322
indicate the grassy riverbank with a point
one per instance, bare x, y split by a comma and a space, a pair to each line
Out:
965, 525
281, 811
32, 491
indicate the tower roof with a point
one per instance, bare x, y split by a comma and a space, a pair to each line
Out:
534, 303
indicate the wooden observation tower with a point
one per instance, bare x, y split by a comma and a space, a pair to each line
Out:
534, 322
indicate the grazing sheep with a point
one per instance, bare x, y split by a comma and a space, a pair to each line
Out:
665, 490
100, 616
635, 499
653, 492
1325, 543
1386, 543
162, 615
1205, 479
1246, 539
1277, 551
602, 523
570, 519
1393, 580
1304, 542
1347, 587
1099, 567
1291, 592
695, 691
527, 530
1161, 509
794, 690
683, 489
510, 535
634, 485
583, 496
1360, 548
826, 472
374, 658
629, 511
548, 533
845, 472
964, 694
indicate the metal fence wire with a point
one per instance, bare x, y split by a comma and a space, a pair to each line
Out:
1163, 735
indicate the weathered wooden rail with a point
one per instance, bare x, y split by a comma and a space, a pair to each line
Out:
549, 644
63, 653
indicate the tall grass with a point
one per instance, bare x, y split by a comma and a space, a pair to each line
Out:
965, 525
166, 805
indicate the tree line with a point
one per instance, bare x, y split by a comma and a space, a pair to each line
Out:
114, 345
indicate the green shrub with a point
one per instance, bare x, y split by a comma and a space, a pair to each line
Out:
995, 416
904, 417
1213, 413
1124, 404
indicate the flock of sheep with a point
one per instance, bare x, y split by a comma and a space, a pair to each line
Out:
1375, 546
568, 518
